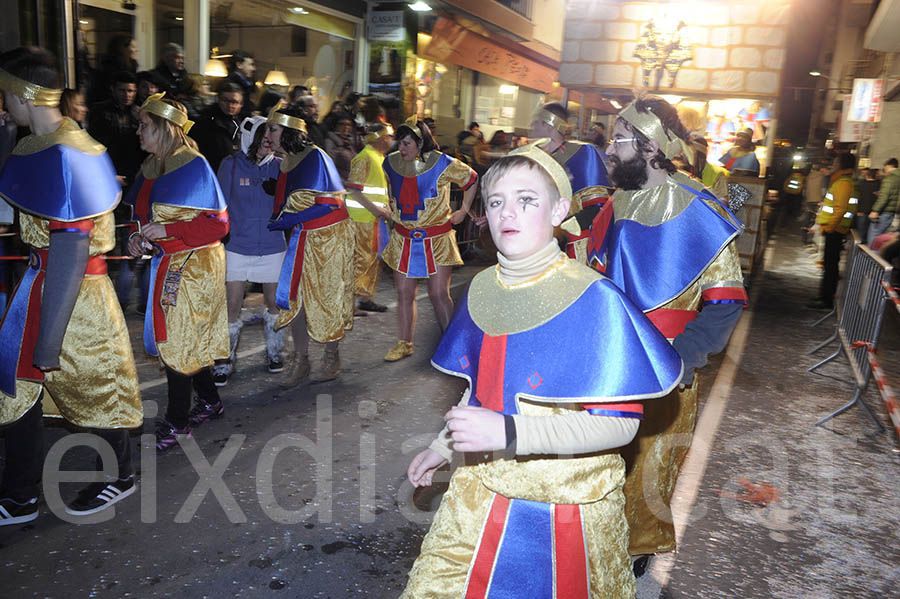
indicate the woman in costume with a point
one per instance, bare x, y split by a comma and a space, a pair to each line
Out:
253, 253
316, 284
423, 242
543, 516
181, 217
64, 339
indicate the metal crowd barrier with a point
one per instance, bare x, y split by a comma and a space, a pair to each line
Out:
860, 313
855, 241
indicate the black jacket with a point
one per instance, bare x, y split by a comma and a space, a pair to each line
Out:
217, 134
116, 128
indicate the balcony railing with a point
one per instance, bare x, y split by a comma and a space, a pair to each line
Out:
523, 7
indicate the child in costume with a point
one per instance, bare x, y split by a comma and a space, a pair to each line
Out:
544, 517
181, 218
63, 341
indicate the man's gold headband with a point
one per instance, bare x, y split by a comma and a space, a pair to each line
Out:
39, 95
154, 105
651, 126
376, 135
533, 152
555, 121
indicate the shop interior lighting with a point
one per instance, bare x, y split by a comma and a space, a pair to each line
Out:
298, 10
276, 77
798, 157
420, 6
817, 74
215, 66
672, 98
83, 21
508, 90
615, 104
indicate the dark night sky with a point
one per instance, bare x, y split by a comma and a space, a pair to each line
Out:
809, 25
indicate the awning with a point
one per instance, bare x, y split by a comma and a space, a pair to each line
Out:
453, 43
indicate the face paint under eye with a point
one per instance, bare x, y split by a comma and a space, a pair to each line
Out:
528, 201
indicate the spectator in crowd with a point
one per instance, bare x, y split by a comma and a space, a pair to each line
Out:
171, 69
121, 55
148, 83
217, 131
466, 142
193, 90
268, 100
242, 72
715, 178
328, 121
253, 254
114, 123
882, 214
371, 110
487, 153
72, 105
598, 135
297, 92
867, 188
741, 156
339, 144
309, 108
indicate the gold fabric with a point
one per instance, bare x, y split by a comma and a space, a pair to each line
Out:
154, 105
376, 135
654, 458
151, 168
37, 94
557, 122
197, 325
365, 258
97, 385
557, 172
327, 284
67, 134
437, 210
649, 124
594, 482
285, 120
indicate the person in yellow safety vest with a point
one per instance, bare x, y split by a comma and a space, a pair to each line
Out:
835, 217
790, 197
793, 185
369, 210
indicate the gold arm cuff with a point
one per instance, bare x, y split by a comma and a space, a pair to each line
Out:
286, 120
154, 105
37, 94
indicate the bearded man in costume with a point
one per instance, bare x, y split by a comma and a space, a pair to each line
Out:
670, 246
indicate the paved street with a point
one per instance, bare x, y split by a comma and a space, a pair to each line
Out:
315, 502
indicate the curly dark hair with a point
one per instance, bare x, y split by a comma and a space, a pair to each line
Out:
293, 141
668, 116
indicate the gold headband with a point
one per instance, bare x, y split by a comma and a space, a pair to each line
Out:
37, 94
533, 152
649, 124
154, 105
376, 135
285, 120
555, 121
413, 123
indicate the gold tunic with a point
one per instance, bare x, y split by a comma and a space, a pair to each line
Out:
437, 210
654, 458
96, 385
197, 325
327, 282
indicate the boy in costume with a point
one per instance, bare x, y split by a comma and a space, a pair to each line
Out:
64, 185
543, 517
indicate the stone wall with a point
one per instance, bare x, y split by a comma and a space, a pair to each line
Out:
738, 47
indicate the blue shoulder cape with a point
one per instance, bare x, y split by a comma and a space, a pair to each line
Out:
653, 265
61, 183
600, 349
586, 168
316, 172
193, 185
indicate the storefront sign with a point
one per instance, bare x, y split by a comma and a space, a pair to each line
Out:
386, 26
851, 131
865, 102
453, 43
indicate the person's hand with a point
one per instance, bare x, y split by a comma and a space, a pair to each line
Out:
421, 470
458, 217
480, 222
383, 212
135, 246
121, 180
476, 429
153, 231
873, 215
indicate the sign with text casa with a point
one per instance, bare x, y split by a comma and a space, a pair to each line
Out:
455, 44
386, 26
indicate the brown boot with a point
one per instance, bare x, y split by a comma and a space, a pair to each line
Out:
298, 370
329, 369
399, 351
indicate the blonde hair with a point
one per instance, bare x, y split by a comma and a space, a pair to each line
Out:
169, 136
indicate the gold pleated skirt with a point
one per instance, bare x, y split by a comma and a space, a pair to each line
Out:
197, 325
652, 461
327, 284
96, 385
595, 483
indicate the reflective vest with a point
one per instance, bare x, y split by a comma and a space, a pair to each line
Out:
827, 210
794, 184
374, 187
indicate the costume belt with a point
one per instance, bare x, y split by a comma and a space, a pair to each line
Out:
161, 282
292, 267
417, 257
671, 323
19, 331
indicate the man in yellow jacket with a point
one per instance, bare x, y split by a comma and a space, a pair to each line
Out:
835, 217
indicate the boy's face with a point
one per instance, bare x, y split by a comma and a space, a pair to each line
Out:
521, 212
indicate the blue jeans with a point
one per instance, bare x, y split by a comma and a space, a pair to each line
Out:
880, 226
128, 270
